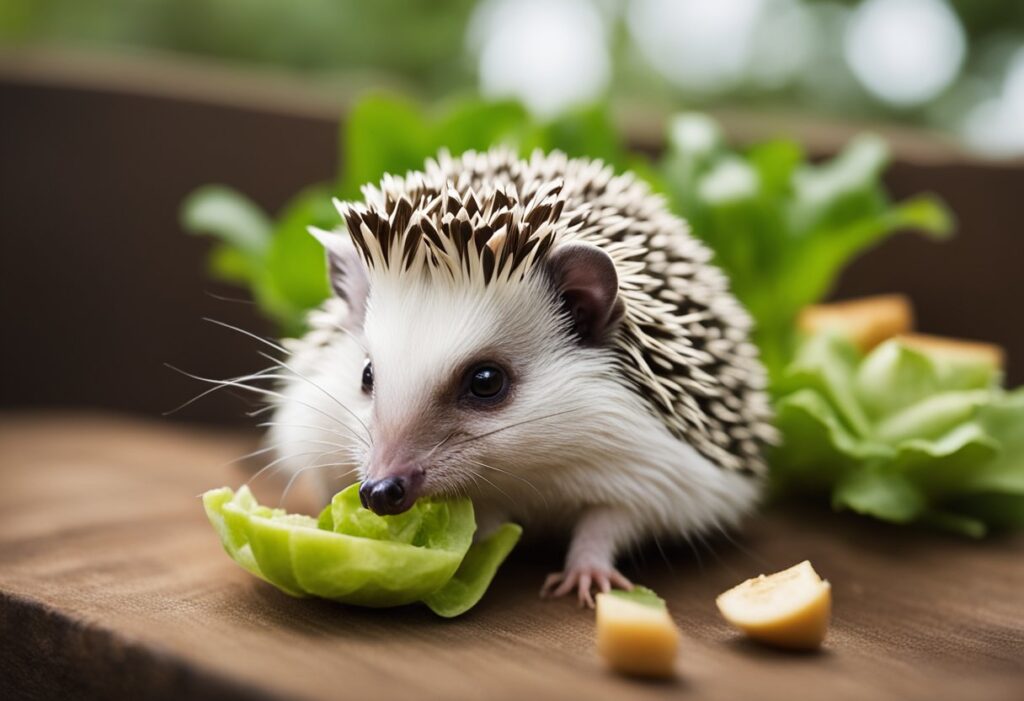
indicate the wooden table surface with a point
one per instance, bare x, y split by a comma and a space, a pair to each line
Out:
112, 584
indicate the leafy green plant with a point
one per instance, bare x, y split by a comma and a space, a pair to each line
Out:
781, 227
902, 435
283, 265
352, 555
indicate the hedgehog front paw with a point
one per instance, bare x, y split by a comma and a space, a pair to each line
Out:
584, 579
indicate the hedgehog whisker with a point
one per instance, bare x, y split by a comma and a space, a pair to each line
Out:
329, 395
276, 346
513, 425
438, 445
273, 393
510, 474
225, 298
260, 451
291, 481
661, 550
696, 552
280, 459
351, 335
314, 427
261, 374
476, 475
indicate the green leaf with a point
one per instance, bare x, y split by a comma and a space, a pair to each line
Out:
895, 378
294, 276
640, 595
886, 496
585, 132
940, 442
932, 416
1003, 420
352, 555
946, 465
383, 134
473, 124
231, 265
955, 523
223, 213
817, 449
812, 266
470, 582
827, 363
842, 190
776, 163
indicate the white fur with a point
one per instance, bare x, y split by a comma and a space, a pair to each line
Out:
602, 460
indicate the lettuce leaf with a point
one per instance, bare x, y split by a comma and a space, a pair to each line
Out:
351, 555
902, 435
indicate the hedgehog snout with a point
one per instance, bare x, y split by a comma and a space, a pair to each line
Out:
393, 494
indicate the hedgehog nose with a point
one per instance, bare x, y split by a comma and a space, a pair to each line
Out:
384, 496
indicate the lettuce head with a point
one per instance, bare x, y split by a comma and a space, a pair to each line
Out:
352, 555
902, 435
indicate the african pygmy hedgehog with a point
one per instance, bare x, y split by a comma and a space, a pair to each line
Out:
541, 335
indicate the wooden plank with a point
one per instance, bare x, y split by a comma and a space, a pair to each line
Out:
112, 584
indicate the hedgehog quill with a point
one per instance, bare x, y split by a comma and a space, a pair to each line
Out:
542, 336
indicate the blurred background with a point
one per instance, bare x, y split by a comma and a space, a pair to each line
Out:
115, 111
954, 66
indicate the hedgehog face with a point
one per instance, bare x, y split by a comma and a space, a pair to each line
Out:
467, 382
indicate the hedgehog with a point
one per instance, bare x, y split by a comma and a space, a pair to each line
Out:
541, 335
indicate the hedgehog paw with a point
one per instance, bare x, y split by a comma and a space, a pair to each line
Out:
584, 579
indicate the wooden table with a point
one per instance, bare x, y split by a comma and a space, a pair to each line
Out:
112, 584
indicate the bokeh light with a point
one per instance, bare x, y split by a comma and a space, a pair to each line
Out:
996, 126
551, 54
698, 45
905, 52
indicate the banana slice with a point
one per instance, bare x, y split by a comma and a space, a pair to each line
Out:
788, 609
635, 634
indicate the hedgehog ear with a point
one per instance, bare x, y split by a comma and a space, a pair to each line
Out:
589, 287
346, 273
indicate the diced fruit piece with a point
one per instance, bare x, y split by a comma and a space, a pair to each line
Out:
788, 609
635, 634
955, 349
866, 322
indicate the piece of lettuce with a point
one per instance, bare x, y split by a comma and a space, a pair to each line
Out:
641, 595
352, 555
902, 435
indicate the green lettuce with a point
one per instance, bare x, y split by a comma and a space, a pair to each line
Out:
641, 595
352, 555
902, 435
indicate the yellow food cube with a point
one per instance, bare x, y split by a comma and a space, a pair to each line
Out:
635, 634
788, 609
866, 321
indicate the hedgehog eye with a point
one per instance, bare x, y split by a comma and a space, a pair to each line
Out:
368, 377
487, 382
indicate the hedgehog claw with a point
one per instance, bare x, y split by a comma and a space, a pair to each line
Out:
583, 580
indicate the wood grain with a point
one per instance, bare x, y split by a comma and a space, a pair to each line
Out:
113, 585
